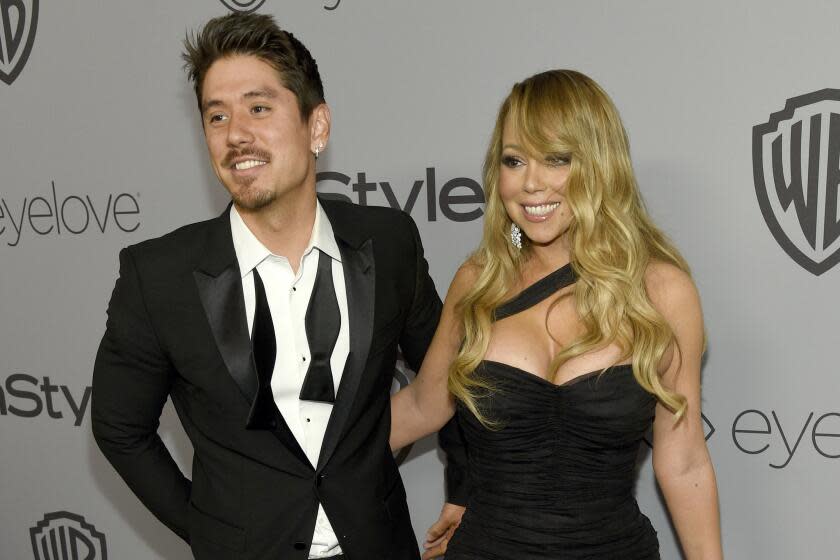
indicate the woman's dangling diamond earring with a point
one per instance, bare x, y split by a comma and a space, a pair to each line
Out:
516, 236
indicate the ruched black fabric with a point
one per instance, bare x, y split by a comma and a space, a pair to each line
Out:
555, 478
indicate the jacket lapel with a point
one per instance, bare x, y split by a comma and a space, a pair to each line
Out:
219, 284
359, 279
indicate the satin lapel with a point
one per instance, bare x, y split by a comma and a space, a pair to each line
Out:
359, 279
220, 289
225, 308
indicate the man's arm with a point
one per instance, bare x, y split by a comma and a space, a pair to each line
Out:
131, 382
420, 327
426, 306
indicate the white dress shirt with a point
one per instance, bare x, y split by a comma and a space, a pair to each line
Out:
288, 297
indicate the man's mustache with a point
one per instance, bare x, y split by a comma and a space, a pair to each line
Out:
237, 154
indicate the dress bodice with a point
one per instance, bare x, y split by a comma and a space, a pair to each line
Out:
554, 477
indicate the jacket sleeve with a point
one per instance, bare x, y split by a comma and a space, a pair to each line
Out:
131, 382
451, 440
419, 329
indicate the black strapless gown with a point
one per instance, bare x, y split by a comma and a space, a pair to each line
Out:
556, 480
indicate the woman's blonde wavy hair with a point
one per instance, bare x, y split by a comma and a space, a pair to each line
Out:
612, 239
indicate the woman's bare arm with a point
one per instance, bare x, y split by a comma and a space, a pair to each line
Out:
681, 460
426, 405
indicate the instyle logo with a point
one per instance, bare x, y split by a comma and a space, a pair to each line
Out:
18, 22
62, 535
461, 199
29, 397
57, 213
796, 170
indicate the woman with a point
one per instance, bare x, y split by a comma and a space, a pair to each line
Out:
572, 329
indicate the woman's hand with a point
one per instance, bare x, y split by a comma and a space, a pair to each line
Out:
439, 534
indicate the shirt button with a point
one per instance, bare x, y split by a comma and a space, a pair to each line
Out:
308, 420
294, 289
304, 358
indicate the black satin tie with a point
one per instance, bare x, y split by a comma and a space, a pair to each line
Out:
323, 321
264, 345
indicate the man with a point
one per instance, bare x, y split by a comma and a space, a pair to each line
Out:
274, 329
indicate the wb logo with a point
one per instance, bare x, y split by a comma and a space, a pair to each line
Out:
796, 168
67, 536
243, 6
18, 21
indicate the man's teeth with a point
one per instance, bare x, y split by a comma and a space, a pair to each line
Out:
248, 164
542, 209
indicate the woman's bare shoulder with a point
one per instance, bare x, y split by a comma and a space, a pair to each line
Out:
465, 278
671, 289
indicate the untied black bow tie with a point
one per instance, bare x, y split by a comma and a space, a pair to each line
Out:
322, 323
264, 347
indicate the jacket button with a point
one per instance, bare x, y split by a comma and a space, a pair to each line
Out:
300, 545
319, 479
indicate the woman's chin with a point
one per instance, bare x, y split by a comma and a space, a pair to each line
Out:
546, 239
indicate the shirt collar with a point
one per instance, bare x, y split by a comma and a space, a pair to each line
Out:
322, 235
250, 251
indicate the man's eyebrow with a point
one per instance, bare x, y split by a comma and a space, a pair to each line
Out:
267, 93
210, 104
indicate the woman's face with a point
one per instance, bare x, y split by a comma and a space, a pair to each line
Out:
533, 189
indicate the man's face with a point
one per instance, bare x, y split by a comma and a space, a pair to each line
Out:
260, 146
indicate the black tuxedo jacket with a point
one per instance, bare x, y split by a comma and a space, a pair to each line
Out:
177, 328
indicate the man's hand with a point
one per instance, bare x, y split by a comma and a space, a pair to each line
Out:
439, 534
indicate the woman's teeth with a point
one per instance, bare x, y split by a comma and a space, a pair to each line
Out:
541, 210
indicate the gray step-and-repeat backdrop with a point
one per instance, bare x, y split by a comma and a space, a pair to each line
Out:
735, 130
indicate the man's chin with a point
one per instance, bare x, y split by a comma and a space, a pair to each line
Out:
253, 200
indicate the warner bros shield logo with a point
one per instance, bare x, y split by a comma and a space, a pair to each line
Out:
18, 22
796, 169
66, 536
243, 6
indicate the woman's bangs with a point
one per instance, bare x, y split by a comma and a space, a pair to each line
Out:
538, 122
